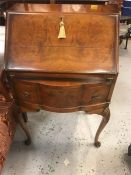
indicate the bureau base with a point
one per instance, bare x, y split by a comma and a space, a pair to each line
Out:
105, 113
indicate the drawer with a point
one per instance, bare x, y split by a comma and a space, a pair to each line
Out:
61, 94
73, 95
95, 94
26, 91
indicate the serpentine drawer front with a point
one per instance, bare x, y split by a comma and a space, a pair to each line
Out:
63, 60
67, 94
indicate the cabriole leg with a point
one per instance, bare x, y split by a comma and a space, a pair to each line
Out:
106, 117
25, 118
129, 150
24, 127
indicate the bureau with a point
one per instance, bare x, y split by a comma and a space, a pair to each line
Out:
62, 60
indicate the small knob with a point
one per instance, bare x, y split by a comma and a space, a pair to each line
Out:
26, 94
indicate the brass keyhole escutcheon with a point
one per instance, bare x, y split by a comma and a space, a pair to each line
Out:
62, 33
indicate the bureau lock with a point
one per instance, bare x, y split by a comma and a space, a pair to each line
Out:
62, 33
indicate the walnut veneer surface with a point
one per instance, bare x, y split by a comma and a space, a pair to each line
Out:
63, 75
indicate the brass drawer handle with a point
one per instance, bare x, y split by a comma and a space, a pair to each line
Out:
62, 33
26, 94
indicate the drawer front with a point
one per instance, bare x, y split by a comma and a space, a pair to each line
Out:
60, 95
26, 92
95, 94
73, 96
